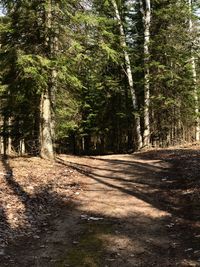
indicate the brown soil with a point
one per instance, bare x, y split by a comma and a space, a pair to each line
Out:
107, 211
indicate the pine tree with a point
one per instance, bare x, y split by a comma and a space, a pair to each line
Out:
34, 42
97, 76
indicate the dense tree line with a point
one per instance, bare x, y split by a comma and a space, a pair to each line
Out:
98, 76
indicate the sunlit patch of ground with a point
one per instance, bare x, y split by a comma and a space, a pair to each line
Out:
119, 210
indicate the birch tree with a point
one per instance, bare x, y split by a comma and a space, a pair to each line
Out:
194, 75
145, 7
129, 73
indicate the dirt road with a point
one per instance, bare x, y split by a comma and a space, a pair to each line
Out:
134, 210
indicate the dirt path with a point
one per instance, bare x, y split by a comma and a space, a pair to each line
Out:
134, 210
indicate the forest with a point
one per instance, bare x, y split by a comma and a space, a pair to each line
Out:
98, 77
99, 133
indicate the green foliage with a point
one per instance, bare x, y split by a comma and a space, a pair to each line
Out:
90, 96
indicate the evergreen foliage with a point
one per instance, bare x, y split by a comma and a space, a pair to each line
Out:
72, 50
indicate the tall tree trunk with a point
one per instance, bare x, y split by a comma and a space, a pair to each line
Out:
9, 146
22, 149
129, 74
194, 74
7, 141
46, 123
146, 12
45, 129
54, 48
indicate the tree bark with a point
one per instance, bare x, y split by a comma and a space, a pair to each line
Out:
146, 12
8, 142
47, 151
22, 149
47, 122
194, 74
129, 74
54, 48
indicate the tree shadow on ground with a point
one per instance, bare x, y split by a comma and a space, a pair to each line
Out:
165, 185
166, 179
58, 235
40, 210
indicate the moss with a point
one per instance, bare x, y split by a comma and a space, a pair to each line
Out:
90, 249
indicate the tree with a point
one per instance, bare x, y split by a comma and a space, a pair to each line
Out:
98, 76
129, 74
145, 7
36, 42
172, 101
46, 110
194, 75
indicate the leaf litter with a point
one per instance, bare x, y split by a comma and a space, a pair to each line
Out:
37, 190
30, 189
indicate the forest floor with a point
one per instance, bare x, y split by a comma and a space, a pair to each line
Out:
141, 210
